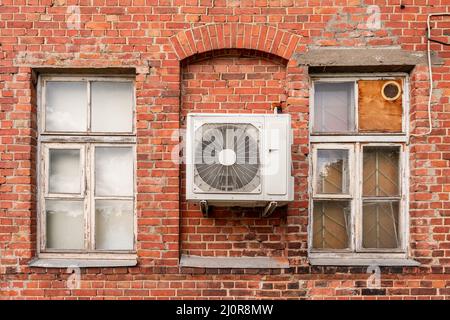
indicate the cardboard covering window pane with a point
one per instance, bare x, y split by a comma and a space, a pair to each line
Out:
375, 113
380, 224
381, 171
330, 224
334, 105
332, 173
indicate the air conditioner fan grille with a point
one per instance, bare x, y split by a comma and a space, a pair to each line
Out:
227, 158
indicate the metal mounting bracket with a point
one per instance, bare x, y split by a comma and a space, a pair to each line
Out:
268, 210
204, 208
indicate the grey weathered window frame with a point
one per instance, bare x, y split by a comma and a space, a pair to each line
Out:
355, 255
86, 142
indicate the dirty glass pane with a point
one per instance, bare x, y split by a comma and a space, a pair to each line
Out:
381, 171
380, 224
64, 171
112, 106
334, 104
66, 106
114, 174
332, 172
114, 225
64, 224
330, 224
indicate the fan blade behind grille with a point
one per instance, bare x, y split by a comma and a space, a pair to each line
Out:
241, 176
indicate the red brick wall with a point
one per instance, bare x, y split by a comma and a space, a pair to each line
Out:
231, 81
155, 37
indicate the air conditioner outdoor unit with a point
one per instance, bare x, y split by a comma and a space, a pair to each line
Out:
239, 160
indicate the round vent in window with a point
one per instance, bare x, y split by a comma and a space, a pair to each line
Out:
391, 90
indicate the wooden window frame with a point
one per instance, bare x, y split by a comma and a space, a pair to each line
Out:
86, 142
42, 83
356, 254
402, 197
360, 136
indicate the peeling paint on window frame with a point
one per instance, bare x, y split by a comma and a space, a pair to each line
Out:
84, 141
358, 140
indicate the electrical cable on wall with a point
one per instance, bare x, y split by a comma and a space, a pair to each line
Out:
430, 71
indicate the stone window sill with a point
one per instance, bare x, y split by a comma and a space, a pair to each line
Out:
81, 263
394, 262
234, 262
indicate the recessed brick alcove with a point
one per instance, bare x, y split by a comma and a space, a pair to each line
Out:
232, 81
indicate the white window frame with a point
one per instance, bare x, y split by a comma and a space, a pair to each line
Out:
351, 168
356, 255
363, 136
86, 142
42, 83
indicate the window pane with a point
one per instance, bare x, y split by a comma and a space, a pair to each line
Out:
66, 106
375, 113
64, 224
380, 224
114, 225
332, 173
112, 106
334, 107
381, 171
114, 174
64, 171
330, 224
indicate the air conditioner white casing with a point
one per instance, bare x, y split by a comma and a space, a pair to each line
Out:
272, 135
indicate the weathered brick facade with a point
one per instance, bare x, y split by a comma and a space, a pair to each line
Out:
216, 56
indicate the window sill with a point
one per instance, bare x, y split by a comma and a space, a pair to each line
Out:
81, 263
385, 262
234, 262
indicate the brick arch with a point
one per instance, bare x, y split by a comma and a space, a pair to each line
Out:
234, 36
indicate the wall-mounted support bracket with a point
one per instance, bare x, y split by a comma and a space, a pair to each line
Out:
268, 210
204, 208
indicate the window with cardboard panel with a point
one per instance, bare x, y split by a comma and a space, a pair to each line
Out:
359, 170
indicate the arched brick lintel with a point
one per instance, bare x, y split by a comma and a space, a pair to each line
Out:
234, 36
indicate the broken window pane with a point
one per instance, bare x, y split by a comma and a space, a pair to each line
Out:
114, 174
112, 106
114, 225
330, 224
66, 106
64, 224
64, 171
381, 171
380, 224
334, 104
332, 173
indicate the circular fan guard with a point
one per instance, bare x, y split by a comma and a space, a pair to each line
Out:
242, 174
